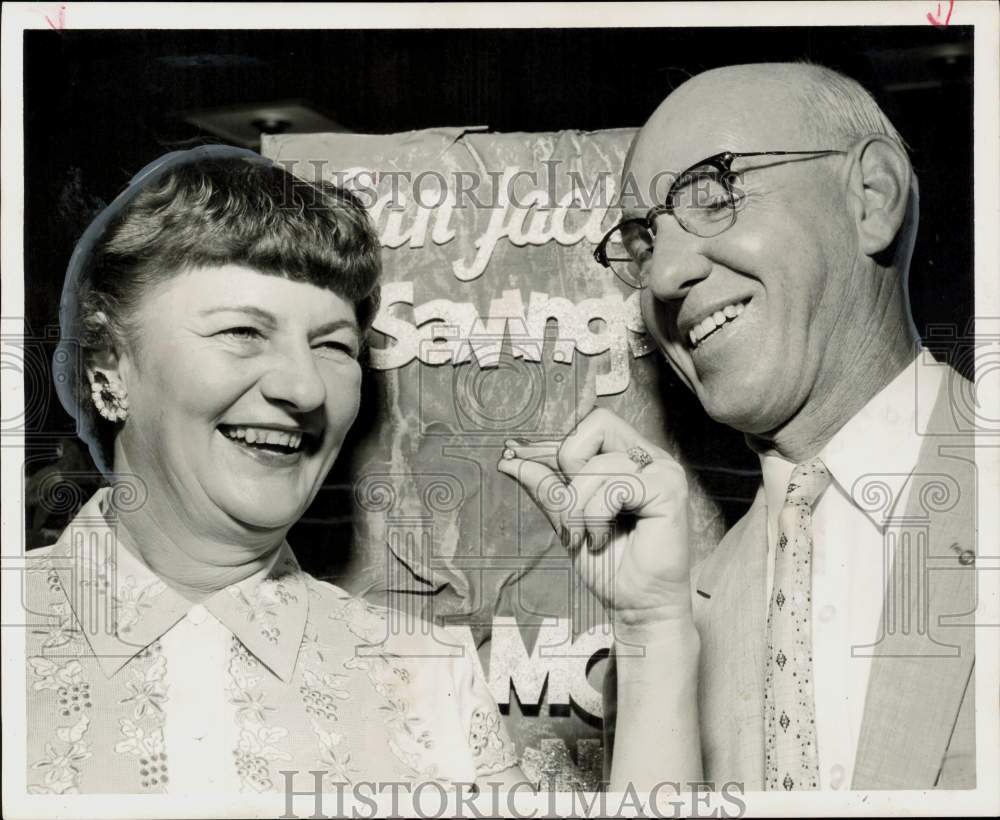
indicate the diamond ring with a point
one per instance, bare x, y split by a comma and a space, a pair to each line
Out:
639, 456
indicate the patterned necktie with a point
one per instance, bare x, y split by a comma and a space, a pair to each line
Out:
790, 755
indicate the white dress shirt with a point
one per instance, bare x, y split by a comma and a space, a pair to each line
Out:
851, 553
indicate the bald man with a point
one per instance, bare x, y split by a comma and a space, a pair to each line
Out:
821, 645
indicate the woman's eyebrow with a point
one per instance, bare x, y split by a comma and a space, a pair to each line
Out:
336, 324
264, 316
270, 320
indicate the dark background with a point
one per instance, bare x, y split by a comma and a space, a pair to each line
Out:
99, 105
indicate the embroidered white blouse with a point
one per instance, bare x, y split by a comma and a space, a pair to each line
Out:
134, 689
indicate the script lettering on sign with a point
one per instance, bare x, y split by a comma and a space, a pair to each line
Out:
446, 332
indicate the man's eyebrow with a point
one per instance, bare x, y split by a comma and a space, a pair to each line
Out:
250, 310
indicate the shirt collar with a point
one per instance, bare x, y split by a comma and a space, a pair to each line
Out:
872, 456
122, 606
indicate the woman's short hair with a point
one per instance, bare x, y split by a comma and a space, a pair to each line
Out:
208, 207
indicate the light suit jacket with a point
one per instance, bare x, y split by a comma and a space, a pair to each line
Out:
918, 727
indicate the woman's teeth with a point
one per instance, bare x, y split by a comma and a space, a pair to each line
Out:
260, 436
710, 324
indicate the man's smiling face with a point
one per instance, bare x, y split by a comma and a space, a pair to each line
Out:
775, 287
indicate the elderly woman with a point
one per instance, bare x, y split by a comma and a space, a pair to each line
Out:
220, 306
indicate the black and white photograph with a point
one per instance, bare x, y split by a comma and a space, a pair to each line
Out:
454, 409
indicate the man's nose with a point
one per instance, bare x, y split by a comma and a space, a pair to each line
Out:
294, 381
677, 264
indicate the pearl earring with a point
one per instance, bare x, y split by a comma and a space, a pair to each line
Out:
109, 398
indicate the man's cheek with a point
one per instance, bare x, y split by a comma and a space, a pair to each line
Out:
658, 319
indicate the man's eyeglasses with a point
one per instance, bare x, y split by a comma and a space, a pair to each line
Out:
703, 200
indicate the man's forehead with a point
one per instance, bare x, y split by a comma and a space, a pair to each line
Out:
729, 110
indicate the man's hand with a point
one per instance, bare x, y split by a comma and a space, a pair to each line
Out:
623, 523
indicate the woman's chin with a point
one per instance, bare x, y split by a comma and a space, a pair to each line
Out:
265, 515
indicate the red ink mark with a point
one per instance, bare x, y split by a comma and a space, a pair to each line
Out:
60, 22
935, 20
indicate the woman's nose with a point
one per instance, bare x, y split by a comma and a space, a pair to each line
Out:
295, 381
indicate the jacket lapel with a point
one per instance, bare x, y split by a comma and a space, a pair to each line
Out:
730, 592
923, 659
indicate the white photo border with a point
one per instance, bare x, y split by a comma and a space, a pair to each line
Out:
983, 16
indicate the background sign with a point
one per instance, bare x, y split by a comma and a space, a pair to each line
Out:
496, 322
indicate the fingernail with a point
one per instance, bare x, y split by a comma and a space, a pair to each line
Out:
513, 442
599, 543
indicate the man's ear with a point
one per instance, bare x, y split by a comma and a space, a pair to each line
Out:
881, 191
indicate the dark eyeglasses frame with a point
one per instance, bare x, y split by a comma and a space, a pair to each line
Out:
723, 163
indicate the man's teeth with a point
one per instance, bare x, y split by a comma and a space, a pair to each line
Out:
711, 323
262, 435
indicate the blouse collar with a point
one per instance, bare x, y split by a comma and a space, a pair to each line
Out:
122, 606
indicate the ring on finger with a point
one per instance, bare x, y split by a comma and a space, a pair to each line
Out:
639, 456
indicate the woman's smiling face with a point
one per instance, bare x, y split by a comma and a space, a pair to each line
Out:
241, 387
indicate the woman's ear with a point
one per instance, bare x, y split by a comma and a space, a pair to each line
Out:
102, 358
881, 189
105, 371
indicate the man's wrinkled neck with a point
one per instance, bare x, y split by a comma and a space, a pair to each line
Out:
849, 378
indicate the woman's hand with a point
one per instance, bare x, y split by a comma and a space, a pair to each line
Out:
623, 521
